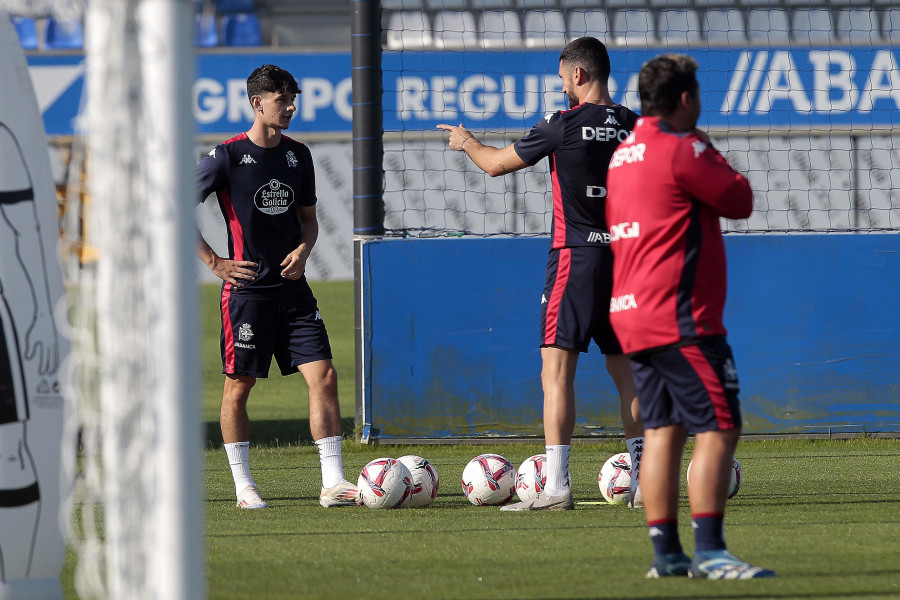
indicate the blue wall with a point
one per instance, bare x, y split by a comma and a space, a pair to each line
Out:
814, 321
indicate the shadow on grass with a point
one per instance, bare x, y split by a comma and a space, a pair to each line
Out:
282, 432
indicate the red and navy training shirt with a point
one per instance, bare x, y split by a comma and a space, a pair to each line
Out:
579, 143
667, 191
260, 191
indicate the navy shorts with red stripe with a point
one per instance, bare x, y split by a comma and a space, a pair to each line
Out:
695, 385
575, 303
254, 330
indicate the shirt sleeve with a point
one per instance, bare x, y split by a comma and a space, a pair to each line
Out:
705, 174
543, 139
212, 173
307, 195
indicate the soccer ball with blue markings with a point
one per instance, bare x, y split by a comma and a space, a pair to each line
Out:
425, 480
385, 483
615, 478
489, 479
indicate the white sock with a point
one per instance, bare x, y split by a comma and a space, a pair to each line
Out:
330, 460
239, 460
557, 470
635, 447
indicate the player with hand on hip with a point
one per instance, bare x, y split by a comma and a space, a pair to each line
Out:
575, 304
668, 188
265, 185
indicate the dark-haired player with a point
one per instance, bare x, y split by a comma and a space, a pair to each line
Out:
668, 188
265, 185
574, 306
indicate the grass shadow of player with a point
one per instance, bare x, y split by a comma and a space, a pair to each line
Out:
274, 433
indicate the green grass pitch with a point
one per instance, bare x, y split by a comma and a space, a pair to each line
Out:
824, 514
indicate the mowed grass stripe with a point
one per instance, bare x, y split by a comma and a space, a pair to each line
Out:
806, 509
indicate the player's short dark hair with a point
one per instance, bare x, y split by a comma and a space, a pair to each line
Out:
663, 79
590, 54
271, 79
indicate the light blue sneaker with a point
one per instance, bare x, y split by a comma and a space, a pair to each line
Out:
676, 564
722, 564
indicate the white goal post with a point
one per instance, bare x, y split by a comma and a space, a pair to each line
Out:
139, 146
137, 512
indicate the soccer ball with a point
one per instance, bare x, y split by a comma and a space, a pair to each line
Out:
424, 478
489, 479
385, 483
737, 475
531, 477
615, 478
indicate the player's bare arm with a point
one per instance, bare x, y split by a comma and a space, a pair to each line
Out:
491, 160
232, 271
295, 262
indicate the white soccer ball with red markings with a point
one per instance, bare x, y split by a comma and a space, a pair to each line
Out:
615, 478
385, 483
489, 479
425, 480
737, 475
531, 477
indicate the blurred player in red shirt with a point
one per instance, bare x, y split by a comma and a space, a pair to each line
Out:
667, 189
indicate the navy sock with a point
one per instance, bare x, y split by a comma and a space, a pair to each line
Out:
709, 531
664, 535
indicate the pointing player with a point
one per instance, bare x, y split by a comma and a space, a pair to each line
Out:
574, 307
265, 185
668, 187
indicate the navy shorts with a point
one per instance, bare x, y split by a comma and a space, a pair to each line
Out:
255, 329
575, 303
695, 385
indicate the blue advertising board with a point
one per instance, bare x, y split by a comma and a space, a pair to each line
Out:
452, 337
219, 95
742, 88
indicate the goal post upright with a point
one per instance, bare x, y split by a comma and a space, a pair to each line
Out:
142, 450
177, 571
368, 151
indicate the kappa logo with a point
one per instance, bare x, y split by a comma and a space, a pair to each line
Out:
699, 147
318, 316
623, 302
291, 159
611, 120
212, 153
543, 299
247, 159
245, 333
731, 378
